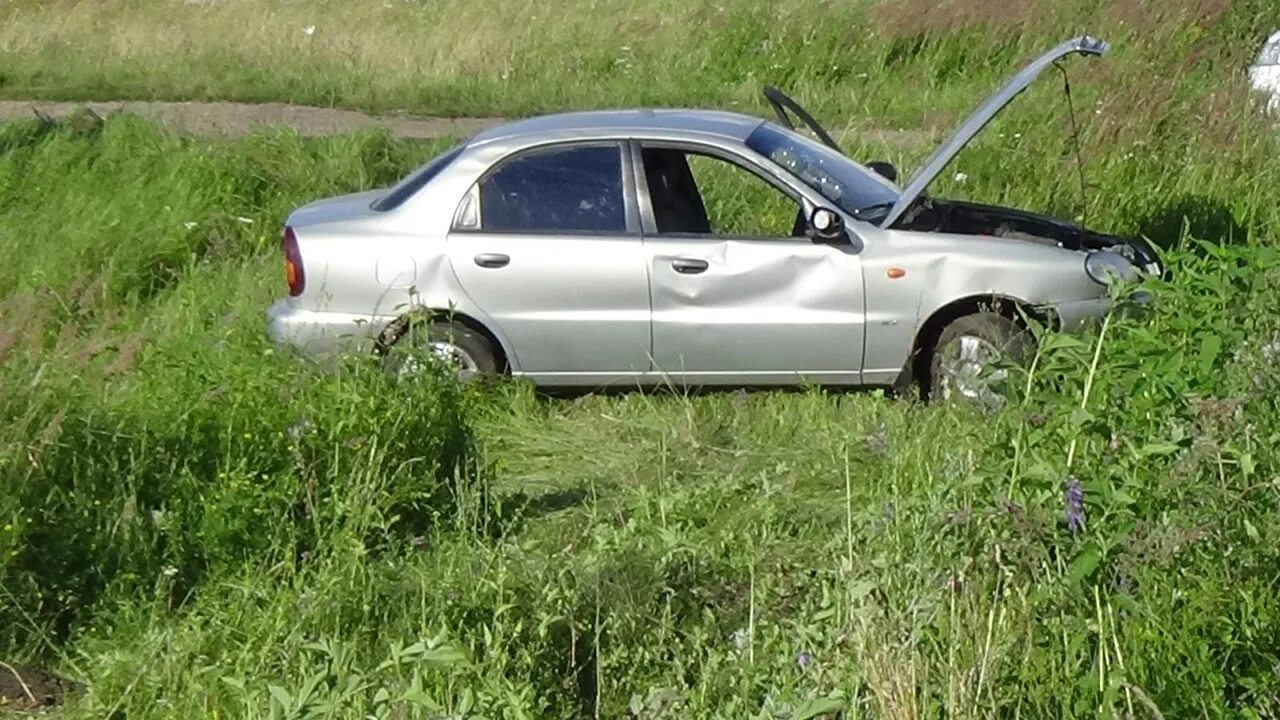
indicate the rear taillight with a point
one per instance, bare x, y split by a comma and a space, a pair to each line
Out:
292, 263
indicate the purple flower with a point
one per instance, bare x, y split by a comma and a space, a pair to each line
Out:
1073, 498
804, 660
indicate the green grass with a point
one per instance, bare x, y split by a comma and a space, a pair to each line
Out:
195, 524
907, 63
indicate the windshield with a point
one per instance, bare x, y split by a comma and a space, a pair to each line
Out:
837, 178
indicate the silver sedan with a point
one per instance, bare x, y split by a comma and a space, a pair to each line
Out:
644, 247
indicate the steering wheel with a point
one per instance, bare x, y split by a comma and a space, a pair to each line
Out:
782, 104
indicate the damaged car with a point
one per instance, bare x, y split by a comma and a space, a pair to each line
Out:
693, 247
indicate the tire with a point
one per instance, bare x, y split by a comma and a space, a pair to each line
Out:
961, 361
471, 351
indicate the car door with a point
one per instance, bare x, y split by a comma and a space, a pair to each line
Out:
548, 245
739, 293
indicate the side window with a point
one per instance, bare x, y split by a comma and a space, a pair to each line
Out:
705, 195
576, 189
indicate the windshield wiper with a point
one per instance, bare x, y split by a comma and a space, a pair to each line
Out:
863, 212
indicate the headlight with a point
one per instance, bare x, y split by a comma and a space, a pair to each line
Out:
1106, 268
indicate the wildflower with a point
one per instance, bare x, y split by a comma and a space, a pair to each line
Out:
309, 30
189, 224
804, 660
245, 220
169, 571
1271, 351
298, 429
878, 441
961, 177
1073, 498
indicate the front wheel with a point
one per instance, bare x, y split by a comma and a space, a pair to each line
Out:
467, 351
969, 361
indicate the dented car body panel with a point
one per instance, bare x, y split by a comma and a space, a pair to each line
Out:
629, 284
763, 311
1037, 277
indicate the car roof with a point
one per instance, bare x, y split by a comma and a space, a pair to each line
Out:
735, 126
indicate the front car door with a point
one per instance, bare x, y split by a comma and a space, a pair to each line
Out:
740, 295
547, 243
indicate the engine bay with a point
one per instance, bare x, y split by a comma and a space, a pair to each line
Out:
954, 217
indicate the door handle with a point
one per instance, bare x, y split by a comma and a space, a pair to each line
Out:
689, 266
492, 260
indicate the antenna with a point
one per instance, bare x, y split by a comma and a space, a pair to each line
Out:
1075, 138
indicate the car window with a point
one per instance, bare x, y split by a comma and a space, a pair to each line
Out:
566, 189
703, 194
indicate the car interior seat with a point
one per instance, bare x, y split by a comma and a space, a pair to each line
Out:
677, 204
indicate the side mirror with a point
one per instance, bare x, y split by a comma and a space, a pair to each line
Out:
885, 170
826, 226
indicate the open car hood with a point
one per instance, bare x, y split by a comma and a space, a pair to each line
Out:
920, 181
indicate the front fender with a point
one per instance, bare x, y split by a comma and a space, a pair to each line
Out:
911, 276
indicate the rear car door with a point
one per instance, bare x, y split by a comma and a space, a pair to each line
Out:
548, 245
739, 293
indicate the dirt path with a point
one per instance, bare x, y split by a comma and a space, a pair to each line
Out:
236, 119
24, 688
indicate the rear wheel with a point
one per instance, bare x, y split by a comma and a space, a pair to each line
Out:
969, 361
470, 353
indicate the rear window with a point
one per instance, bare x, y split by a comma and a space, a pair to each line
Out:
405, 189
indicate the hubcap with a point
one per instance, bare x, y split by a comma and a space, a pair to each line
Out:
410, 363
967, 371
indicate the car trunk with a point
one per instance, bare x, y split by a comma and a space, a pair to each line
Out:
343, 207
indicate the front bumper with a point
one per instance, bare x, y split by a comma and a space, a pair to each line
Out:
321, 334
1075, 315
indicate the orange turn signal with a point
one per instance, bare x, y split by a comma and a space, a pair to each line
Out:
895, 273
